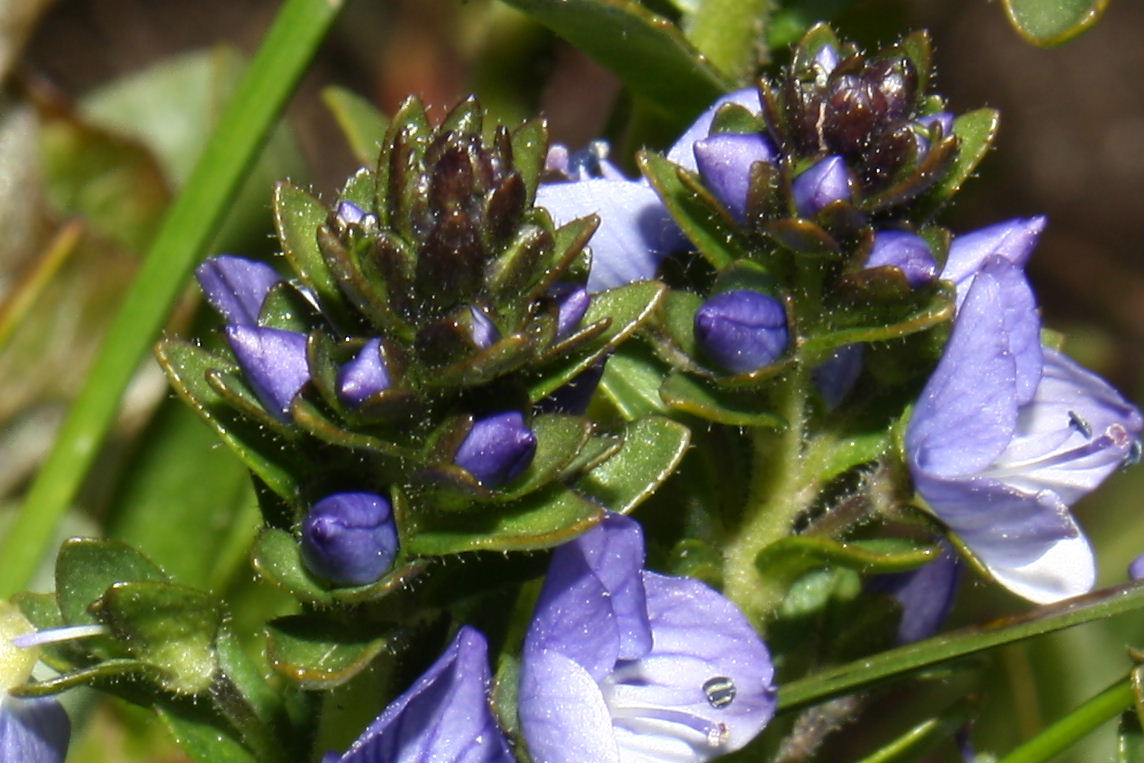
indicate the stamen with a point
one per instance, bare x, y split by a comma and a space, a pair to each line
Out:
715, 735
55, 635
1115, 437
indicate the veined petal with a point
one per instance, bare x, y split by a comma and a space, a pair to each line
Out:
236, 286
33, 730
1076, 430
683, 151
1013, 240
443, 718
1022, 325
967, 412
562, 712
1028, 541
635, 232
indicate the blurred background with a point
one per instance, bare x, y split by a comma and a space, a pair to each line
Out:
106, 103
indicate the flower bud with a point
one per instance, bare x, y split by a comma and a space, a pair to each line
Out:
825, 182
273, 362
236, 287
349, 538
572, 303
725, 160
484, 333
742, 330
497, 449
364, 376
905, 251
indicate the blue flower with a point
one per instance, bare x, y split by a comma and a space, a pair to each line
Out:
497, 449
1006, 435
907, 252
925, 595
349, 538
236, 287
1012, 240
365, 375
622, 665
827, 181
273, 362
33, 730
742, 330
443, 718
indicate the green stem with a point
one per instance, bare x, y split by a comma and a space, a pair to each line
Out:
860, 673
779, 490
1065, 732
729, 33
186, 231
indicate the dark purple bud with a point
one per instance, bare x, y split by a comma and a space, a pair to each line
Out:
349, 538
485, 334
854, 108
905, 251
364, 376
572, 301
497, 449
273, 362
236, 287
742, 330
725, 160
1136, 568
825, 182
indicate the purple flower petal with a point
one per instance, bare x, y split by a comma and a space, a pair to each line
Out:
827, 181
1136, 568
905, 251
33, 730
364, 376
273, 362
349, 538
485, 333
682, 151
236, 287
443, 718
572, 302
742, 330
497, 449
635, 232
925, 595
725, 162
1013, 240
837, 374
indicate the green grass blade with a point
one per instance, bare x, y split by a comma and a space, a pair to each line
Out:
186, 231
1108, 602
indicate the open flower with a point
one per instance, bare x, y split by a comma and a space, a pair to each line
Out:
443, 718
1006, 436
622, 665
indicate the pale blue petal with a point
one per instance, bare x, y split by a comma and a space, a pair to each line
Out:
33, 730
562, 712
683, 151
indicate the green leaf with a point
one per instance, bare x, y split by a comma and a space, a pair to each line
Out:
363, 125
87, 567
171, 627
724, 406
317, 654
529, 149
297, 216
265, 454
975, 131
727, 33
179, 479
631, 381
646, 51
625, 308
1109, 602
540, 520
652, 448
695, 210
202, 733
791, 557
559, 439
1053, 22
